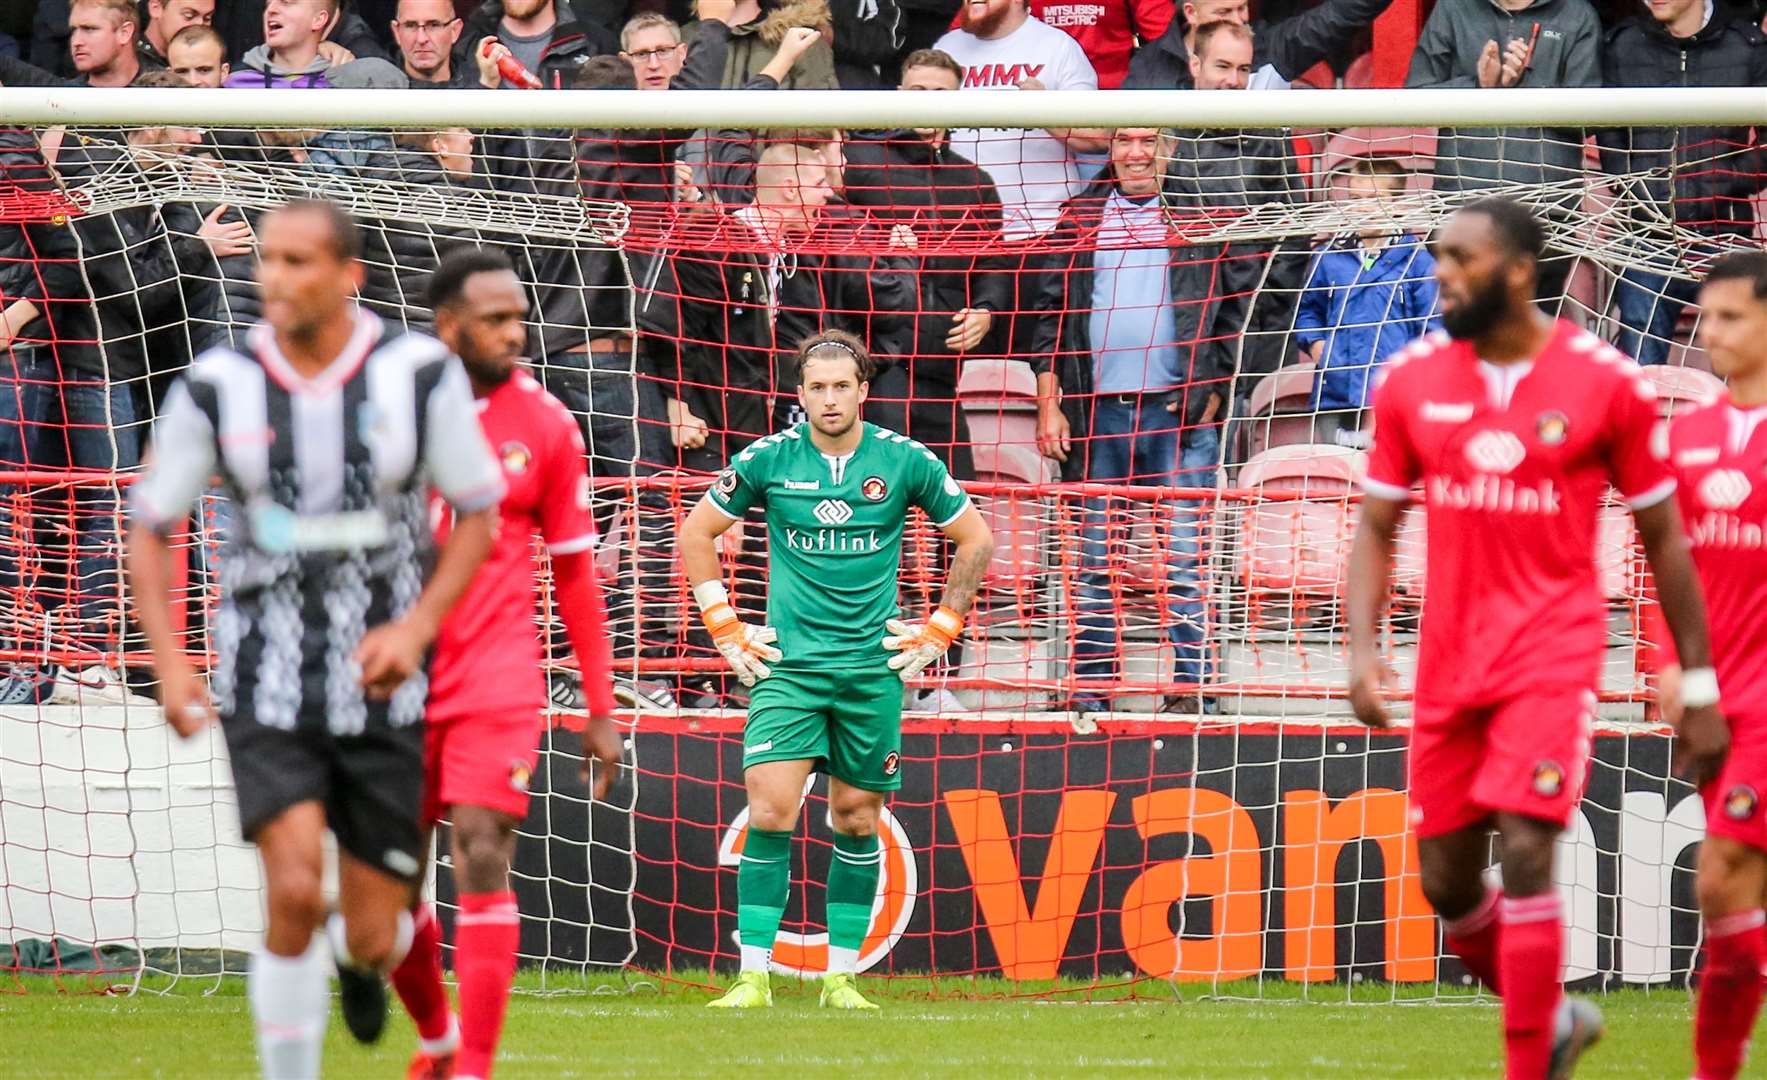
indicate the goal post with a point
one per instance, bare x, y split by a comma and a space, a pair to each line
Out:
1254, 837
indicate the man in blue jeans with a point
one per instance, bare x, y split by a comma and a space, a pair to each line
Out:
49, 421
1127, 396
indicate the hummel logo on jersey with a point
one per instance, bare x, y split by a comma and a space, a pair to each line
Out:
1448, 412
802, 485
1724, 489
1495, 451
833, 512
1697, 455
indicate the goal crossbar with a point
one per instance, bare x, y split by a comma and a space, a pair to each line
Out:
1586, 107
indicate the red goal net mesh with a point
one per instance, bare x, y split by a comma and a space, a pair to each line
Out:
1136, 766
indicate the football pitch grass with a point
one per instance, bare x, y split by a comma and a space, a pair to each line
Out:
609, 1026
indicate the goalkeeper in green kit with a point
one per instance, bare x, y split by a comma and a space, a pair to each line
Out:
826, 671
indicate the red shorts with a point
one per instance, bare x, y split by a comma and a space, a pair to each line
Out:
1733, 800
480, 761
1528, 756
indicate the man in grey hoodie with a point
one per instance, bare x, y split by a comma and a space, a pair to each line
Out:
296, 55
1505, 43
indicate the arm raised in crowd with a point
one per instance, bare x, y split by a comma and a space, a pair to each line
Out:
1297, 43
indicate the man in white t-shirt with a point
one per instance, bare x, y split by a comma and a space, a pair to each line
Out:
1002, 47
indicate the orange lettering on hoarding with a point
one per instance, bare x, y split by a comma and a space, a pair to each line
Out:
1234, 949
1029, 942
1313, 836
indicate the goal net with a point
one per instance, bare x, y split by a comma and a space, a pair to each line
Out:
1147, 356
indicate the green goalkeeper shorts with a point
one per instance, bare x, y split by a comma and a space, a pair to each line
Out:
849, 722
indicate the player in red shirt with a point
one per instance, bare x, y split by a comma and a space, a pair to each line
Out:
1514, 424
487, 689
1719, 454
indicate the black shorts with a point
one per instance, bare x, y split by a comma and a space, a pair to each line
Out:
370, 784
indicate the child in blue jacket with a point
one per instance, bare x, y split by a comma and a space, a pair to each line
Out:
1366, 297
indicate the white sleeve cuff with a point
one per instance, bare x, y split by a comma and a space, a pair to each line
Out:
961, 510
572, 547
1382, 490
1650, 498
713, 503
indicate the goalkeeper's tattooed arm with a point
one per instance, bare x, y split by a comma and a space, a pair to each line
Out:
918, 644
975, 549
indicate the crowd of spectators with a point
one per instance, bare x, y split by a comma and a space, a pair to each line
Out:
1055, 248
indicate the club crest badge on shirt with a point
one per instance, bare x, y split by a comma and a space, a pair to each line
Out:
874, 488
1740, 803
516, 457
1549, 779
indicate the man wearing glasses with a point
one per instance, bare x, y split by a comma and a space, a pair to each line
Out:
426, 31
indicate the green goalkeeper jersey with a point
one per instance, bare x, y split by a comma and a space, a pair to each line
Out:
834, 534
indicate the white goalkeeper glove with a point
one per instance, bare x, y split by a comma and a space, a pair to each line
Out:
747, 649
919, 644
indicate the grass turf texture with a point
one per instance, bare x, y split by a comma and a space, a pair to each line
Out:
607, 1026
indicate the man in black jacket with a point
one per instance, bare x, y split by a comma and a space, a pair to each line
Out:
1290, 46
1251, 287
1704, 177
914, 178
1129, 394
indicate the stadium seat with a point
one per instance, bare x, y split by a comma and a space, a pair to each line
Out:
1298, 546
1016, 515
1279, 411
1310, 468
995, 379
1010, 463
1360, 74
1412, 148
1679, 387
999, 400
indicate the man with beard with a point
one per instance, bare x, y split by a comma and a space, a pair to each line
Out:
487, 691
1515, 424
836, 492
1001, 46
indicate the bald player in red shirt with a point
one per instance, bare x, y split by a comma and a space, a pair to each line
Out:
488, 698
1514, 425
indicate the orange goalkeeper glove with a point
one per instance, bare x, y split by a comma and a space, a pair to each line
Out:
919, 644
747, 649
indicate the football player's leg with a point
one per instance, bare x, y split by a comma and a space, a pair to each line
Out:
1454, 835
290, 984
487, 933
1731, 884
1532, 777
418, 978
280, 777
373, 807
864, 763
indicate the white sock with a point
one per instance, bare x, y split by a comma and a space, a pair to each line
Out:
404, 930
291, 1003
756, 958
843, 961
447, 1044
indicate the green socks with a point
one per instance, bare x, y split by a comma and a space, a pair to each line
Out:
852, 887
763, 881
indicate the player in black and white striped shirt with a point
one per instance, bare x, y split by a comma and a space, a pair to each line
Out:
327, 435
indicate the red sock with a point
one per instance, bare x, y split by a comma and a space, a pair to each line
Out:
1528, 957
485, 938
418, 978
1730, 993
1474, 936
